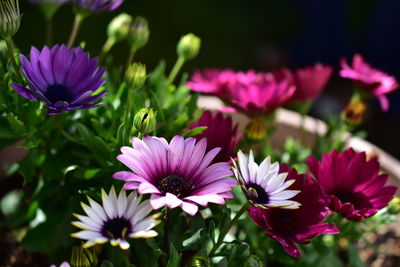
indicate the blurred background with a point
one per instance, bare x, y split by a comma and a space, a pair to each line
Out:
258, 34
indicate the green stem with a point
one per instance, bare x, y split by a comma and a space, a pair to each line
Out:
79, 17
106, 48
225, 230
130, 57
10, 50
64, 133
175, 70
49, 31
167, 217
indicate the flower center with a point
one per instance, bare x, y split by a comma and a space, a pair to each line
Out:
175, 185
344, 196
257, 193
117, 228
58, 92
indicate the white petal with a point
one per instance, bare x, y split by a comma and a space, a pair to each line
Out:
88, 235
122, 203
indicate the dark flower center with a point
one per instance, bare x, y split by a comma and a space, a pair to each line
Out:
344, 196
58, 92
284, 221
116, 228
175, 185
357, 199
257, 193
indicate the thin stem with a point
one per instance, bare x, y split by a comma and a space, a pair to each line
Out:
63, 132
227, 228
130, 57
167, 217
175, 70
49, 31
10, 50
75, 29
106, 48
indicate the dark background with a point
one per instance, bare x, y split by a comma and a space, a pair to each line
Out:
259, 34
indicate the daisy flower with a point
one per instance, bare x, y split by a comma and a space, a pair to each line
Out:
98, 5
176, 174
116, 220
63, 78
263, 184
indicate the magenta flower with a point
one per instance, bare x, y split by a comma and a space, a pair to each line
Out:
261, 94
356, 188
212, 81
298, 225
374, 81
220, 132
254, 93
176, 173
309, 81
65, 79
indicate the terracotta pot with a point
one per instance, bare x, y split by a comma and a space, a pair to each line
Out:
288, 125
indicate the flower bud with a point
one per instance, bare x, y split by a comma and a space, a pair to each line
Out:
394, 206
10, 18
135, 75
139, 33
188, 46
145, 120
354, 112
118, 28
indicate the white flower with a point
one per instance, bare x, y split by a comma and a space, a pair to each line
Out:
263, 185
117, 220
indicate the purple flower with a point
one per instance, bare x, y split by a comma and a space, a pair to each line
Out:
63, 78
49, 1
298, 225
373, 81
356, 188
220, 132
98, 5
177, 174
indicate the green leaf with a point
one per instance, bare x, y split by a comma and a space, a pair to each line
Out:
194, 240
253, 261
153, 257
174, 259
195, 131
94, 143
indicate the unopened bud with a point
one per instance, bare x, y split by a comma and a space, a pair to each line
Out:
354, 112
135, 75
145, 120
83, 257
188, 46
394, 206
118, 28
139, 33
10, 18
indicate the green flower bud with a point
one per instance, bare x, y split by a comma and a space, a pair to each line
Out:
188, 46
145, 120
118, 28
135, 75
394, 206
139, 33
10, 18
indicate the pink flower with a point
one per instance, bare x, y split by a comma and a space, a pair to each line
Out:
356, 188
260, 96
212, 81
297, 225
309, 81
176, 174
220, 132
253, 93
374, 81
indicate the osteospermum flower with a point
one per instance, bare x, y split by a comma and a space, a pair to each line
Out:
356, 188
259, 94
98, 5
63, 264
297, 226
373, 81
220, 132
63, 78
118, 219
263, 185
309, 81
176, 174
212, 81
